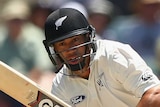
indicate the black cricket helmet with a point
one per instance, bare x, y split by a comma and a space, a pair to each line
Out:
65, 23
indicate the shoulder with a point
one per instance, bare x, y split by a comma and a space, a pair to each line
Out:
117, 53
113, 52
111, 43
61, 77
111, 46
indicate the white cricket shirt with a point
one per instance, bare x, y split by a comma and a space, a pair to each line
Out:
118, 78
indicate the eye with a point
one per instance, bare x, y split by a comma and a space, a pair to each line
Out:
75, 39
61, 44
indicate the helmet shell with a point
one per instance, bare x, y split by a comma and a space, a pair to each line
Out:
64, 23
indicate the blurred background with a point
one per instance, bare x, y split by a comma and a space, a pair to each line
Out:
135, 22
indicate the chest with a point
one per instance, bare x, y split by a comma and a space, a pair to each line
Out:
99, 92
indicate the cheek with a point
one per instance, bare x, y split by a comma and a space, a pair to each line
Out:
81, 50
63, 55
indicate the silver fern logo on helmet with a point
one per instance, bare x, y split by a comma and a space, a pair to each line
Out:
59, 22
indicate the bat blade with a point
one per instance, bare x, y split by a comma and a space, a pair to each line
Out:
24, 90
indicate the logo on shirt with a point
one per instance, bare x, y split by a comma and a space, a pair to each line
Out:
100, 83
146, 76
77, 99
99, 80
59, 22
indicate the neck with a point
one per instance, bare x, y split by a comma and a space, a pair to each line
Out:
84, 73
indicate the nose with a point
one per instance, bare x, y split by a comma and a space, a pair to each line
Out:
72, 50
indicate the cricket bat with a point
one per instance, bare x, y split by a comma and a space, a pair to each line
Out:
24, 90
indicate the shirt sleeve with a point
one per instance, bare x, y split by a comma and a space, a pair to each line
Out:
131, 71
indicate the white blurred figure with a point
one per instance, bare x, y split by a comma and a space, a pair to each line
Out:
13, 44
21, 47
77, 6
100, 15
54, 4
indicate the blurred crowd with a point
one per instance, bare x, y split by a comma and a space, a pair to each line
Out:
135, 22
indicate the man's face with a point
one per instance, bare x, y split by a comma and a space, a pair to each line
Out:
67, 50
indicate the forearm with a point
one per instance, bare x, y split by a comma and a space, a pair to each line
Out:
151, 98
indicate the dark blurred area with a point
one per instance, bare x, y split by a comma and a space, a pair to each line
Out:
7, 101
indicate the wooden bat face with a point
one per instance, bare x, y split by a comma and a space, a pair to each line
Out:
25, 91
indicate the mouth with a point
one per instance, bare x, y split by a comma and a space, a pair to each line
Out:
74, 61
